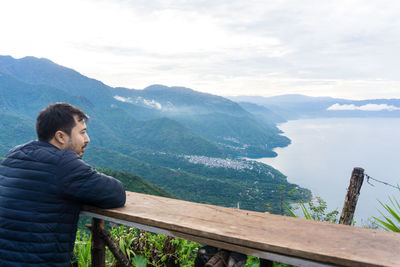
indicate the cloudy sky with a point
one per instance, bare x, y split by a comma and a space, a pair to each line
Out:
346, 48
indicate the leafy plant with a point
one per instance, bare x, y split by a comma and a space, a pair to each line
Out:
139, 261
186, 251
144, 248
125, 242
82, 247
284, 196
252, 261
391, 222
316, 211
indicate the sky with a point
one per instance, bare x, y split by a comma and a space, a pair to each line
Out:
343, 48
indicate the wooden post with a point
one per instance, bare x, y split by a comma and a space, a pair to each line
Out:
350, 202
220, 259
122, 259
98, 248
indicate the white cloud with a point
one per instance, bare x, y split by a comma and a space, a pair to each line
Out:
367, 107
140, 100
123, 99
151, 103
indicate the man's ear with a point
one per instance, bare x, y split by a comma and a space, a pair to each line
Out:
60, 137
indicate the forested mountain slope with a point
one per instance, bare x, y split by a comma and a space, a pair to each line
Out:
154, 133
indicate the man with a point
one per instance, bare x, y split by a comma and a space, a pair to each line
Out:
42, 187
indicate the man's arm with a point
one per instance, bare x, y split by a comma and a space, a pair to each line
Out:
82, 183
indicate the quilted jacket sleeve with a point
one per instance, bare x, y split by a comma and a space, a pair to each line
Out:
80, 182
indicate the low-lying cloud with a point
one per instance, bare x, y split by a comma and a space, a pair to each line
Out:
140, 100
367, 107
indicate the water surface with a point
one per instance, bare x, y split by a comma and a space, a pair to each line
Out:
324, 152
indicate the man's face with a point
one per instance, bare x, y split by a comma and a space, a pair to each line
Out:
79, 138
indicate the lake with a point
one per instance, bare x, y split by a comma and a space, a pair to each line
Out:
324, 152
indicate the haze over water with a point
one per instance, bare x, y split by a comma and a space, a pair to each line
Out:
324, 152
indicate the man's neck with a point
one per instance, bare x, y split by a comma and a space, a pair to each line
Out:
56, 144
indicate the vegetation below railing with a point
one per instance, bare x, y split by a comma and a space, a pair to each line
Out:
142, 248
145, 249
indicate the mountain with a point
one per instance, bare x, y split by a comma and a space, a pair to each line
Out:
262, 113
20, 98
157, 133
292, 107
42, 71
201, 114
218, 119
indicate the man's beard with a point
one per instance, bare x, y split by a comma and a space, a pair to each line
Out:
78, 151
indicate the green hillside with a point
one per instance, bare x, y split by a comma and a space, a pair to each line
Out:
136, 184
252, 187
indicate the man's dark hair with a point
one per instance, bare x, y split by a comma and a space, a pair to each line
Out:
55, 117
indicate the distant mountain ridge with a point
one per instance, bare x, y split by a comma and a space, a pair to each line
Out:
289, 107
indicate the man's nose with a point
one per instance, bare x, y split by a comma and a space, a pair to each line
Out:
87, 139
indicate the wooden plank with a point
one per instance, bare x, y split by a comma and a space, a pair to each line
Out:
219, 244
316, 241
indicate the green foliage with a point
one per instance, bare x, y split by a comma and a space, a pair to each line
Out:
82, 254
139, 261
316, 211
147, 249
391, 221
288, 193
142, 248
252, 261
186, 250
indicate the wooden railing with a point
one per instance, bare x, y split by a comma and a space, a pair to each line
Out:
283, 239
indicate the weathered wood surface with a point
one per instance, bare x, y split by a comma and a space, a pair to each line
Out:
249, 232
353, 192
98, 249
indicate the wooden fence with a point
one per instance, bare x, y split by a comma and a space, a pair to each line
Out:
278, 238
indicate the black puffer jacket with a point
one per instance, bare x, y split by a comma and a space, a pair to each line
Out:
41, 191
